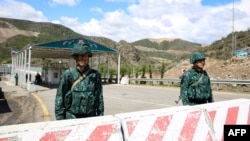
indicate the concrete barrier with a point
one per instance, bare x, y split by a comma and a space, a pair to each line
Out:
106, 128
168, 124
233, 112
125, 80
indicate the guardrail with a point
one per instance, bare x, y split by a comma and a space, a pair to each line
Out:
217, 81
225, 81
109, 80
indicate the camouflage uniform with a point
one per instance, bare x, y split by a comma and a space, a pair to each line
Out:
201, 93
84, 100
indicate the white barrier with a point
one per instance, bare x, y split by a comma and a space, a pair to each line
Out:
233, 112
31, 87
106, 128
183, 123
125, 80
168, 124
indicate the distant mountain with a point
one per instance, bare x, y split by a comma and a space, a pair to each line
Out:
135, 56
16, 34
166, 48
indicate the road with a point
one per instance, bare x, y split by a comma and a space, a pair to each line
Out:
127, 98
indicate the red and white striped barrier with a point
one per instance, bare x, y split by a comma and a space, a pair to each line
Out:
106, 128
233, 112
183, 123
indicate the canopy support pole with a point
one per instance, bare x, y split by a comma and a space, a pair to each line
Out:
29, 74
118, 69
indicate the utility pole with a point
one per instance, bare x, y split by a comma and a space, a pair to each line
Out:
233, 47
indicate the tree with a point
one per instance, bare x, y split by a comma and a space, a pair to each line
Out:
143, 74
162, 71
143, 71
129, 70
112, 73
150, 71
123, 71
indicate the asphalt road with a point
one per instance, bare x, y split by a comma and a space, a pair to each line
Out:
126, 98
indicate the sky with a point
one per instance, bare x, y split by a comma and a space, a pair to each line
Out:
200, 21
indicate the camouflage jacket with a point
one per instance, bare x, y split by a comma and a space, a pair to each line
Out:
84, 100
199, 94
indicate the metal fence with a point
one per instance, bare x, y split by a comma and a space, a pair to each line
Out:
5, 69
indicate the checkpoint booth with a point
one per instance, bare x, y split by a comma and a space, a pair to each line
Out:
60, 53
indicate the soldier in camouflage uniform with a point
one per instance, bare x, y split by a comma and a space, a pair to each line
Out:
84, 99
195, 82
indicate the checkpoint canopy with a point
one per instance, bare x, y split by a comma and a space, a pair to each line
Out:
61, 49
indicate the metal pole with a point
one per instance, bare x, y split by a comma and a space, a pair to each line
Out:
15, 64
233, 33
118, 69
30, 48
108, 67
19, 67
22, 69
12, 68
235, 47
25, 65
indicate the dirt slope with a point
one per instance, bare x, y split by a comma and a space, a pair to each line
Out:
230, 69
7, 30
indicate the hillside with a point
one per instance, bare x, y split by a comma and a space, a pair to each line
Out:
217, 69
174, 53
166, 48
16, 34
222, 48
10, 31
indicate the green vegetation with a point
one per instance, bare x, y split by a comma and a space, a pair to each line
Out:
146, 43
176, 44
48, 32
134, 62
222, 49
